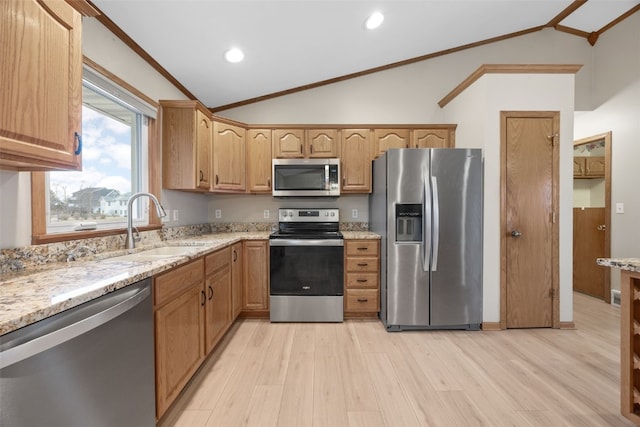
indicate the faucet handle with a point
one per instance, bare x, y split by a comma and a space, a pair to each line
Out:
137, 237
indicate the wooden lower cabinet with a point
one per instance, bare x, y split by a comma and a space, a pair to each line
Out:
179, 330
218, 294
362, 278
236, 279
255, 292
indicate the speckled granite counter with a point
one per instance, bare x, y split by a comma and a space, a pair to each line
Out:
628, 264
30, 295
360, 235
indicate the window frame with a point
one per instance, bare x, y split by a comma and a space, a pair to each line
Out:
39, 189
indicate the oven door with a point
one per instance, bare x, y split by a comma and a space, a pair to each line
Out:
306, 267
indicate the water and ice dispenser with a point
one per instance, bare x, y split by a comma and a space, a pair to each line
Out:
409, 222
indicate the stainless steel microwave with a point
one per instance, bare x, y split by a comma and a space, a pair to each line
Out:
306, 177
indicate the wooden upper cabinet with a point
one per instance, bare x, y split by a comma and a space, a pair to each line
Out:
588, 167
288, 143
383, 139
259, 160
228, 157
40, 85
321, 143
355, 160
301, 143
186, 145
432, 138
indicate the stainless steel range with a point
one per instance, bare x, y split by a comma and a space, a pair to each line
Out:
307, 266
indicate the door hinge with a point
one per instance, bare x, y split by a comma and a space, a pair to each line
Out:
553, 217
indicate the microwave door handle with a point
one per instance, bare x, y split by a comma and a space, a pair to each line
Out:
327, 185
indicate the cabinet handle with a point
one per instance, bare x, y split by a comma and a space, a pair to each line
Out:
235, 255
343, 181
78, 138
301, 148
201, 176
362, 249
210, 293
269, 182
362, 280
204, 298
362, 264
311, 148
363, 299
216, 179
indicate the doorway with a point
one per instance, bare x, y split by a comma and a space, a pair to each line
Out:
529, 222
592, 215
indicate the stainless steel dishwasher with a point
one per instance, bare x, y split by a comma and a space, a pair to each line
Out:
92, 365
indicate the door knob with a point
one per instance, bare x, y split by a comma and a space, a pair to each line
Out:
601, 227
516, 233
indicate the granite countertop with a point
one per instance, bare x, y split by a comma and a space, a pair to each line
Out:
31, 295
629, 264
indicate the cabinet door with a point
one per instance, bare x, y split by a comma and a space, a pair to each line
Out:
228, 157
218, 307
594, 167
186, 145
179, 344
236, 280
390, 138
579, 165
255, 292
41, 85
322, 143
204, 134
288, 143
259, 160
430, 138
356, 160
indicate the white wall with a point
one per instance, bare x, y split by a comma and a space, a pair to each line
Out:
477, 113
617, 109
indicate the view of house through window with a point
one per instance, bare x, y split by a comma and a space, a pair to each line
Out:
113, 135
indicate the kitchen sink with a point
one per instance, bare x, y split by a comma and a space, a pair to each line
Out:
159, 253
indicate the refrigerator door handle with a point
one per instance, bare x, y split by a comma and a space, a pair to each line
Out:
426, 225
436, 224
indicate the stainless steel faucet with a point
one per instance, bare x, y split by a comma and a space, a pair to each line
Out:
130, 241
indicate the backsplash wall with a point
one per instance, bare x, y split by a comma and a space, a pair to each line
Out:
251, 207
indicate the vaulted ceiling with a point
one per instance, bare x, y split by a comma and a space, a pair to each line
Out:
294, 44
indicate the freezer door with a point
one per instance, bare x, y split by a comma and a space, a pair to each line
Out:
456, 277
407, 282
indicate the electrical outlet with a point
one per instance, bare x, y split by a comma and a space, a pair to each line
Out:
619, 208
176, 215
265, 214
354, 213
218, 213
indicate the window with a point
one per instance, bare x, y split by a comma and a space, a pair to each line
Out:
114, 156
148, 175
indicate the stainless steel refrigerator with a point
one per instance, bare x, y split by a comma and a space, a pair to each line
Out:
427, 206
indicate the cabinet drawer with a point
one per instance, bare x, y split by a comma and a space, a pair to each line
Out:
217, 260
362, 280
362, 248
364, 300
362, 264
174, 282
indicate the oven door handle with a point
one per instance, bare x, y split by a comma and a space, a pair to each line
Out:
306, 242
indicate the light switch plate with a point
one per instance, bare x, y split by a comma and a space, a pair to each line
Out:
218, 213
176, 214
619, 208
354, 213
265, 213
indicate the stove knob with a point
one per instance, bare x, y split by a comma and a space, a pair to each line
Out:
326, 214
333, 214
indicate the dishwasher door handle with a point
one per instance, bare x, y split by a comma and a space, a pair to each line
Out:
38, 345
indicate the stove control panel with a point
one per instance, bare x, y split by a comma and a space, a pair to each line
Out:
309, 215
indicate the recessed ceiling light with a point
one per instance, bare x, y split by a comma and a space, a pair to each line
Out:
374, 20
234, 55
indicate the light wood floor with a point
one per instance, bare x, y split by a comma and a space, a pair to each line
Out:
357, 374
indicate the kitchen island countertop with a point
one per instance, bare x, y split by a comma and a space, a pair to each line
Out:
629, 264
